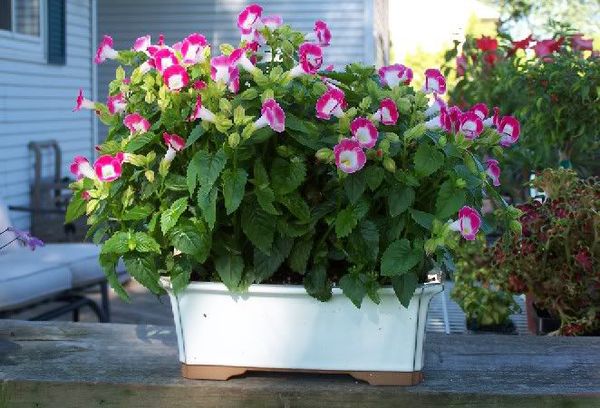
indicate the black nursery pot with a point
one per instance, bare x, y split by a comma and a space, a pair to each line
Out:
508, 327
539, 321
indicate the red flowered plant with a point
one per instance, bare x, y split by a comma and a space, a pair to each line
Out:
261, 165
557, 259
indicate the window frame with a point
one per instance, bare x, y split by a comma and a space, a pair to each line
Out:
25, 47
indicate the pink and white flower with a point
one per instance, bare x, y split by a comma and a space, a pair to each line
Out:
163, 59
321, 34
175, 143
116, 104
493, 171
250, 19
105, 50
436, 106
509, 129
200, 112
141, 44
176, 77
234, 80
192, 49
239, 58
442, 121
136, 123
349, 156
311, 59
108, 168
471, 125
387, 112
199, 85
481, 110
147, 66
461, 65
220, 68
364, 132
434, 81
493, 120
81, 168
272, 22
83, 103
272, 115
455, 115
468, 223
331, 103
394, 75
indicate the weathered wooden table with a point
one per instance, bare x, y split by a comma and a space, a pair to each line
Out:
59, 364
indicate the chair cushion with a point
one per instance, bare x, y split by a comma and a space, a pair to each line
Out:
25, 278
80, 258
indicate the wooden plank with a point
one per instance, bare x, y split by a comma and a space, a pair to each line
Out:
47, 364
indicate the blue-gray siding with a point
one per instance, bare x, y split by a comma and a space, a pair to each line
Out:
36, 101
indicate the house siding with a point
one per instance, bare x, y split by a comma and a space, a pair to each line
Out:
350, 22
36, 100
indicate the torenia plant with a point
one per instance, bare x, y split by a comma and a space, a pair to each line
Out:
259, 165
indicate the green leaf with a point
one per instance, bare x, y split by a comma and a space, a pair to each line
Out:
258, 226
374, 176
422, 218
204, 168
266, 265
355, 186
145, 243
230, 268
108, 262
175, 182
345, 222
400, 199
169, 217
297, 206
300, 255
195, 135
261, 178
353, 288
404, 287
265, 197
372, 287
139, 141
317, 284
138, 212
180, 274
76, 208
143, 269
191, 239
363, 244
234, 186
207, 201
428, 160
117, 244
287, 176
399, 258
449, 200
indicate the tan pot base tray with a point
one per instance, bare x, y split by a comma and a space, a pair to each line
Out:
222, 373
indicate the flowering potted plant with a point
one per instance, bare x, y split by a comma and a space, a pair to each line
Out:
556, 260
487, 308
231, 181
552, 84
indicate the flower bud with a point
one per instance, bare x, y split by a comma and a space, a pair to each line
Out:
389, 164
284, 151
415, 132
516, 227
460, 183
442, 141
392, 137
384, 145
325, 155
233, 140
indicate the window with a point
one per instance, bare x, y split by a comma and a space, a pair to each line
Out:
20, 16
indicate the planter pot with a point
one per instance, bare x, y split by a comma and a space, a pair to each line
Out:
539, 323
282, 328
507, 327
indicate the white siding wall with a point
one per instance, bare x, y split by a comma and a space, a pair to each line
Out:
35, 104
351, 23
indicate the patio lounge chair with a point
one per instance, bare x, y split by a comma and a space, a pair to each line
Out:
56, 272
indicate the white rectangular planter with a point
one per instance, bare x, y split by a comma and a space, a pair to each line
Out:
282, 328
